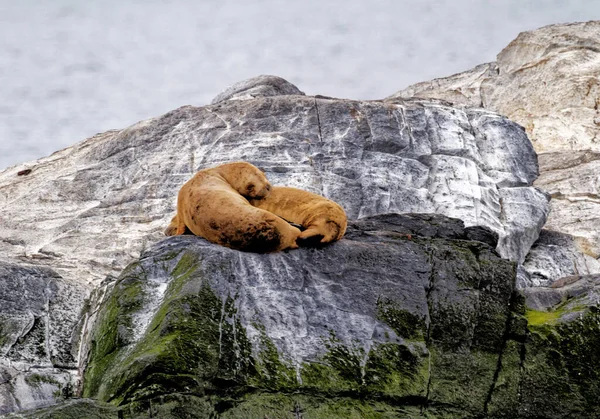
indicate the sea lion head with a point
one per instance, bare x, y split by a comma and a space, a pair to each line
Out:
246, 178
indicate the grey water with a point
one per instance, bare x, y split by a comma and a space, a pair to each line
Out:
70, 69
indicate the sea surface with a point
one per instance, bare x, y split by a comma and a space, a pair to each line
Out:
70, 69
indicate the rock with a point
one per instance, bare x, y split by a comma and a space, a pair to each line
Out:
547, 81
261, 86
401, 314
557, 255
462, 89
405, 315
575, 191
87, 211
579, 292
32, 340
73, 409
79, 208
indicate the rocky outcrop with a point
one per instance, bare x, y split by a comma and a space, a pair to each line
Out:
547, 81
407, 315
87, 211
261, 86
556, 255
411, 305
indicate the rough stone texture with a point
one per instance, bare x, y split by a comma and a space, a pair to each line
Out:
462, 89
261, 86
88, 210
29, 311
574, 294
547, 80
556, 255
573, 180
414, 318
405, 309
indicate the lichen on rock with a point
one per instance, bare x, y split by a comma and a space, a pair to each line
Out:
217, 332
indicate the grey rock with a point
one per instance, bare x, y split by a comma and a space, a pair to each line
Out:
32, 339
462, 89
556, 255
89, 210
425, 225
260, 86
547, 81
579, 292
560, 161
411, 285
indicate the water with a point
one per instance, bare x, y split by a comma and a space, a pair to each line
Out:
70, 69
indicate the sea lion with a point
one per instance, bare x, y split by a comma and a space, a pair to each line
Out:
214, 204
322, 219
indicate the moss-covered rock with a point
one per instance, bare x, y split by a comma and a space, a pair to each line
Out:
401, 325
380, 324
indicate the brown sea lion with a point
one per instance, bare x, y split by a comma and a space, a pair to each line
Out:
323, 220
214, 204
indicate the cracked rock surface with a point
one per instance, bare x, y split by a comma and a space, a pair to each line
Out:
87, 211
407, 315
548, 81
406, 308
30, 319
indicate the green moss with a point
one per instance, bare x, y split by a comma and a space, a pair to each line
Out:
403, 322
113, 330
462, 378
504, 397
395, 370
346, 361
552, 316
171, 406
537, 318
285, 406
389, 369
194, 342
178, 352
272, 372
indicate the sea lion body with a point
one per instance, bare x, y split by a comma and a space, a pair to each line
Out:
323, 220
213, 204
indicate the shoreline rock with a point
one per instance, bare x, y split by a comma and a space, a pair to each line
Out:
82, 215
547, 81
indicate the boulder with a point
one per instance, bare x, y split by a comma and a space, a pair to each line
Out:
85, 212
547, 81
405, 313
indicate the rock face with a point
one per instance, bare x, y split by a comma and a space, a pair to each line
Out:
408, 315
87, 211
547, 80
79, 208
191, 317
30, 318
556, 255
